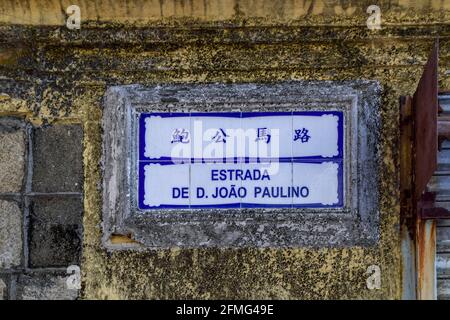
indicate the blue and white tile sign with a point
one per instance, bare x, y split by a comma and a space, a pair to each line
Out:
241, 160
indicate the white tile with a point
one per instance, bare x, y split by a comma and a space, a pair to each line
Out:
317, 136
268, 136
212, 184
166, 184
167, 137
317, 183
215, 137
270, 184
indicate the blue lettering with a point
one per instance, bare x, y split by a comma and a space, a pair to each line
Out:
200, 192
180, 193
265, 175
304, 192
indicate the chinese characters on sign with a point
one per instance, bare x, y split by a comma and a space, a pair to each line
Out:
302, 135
180, 135
240, 160
263, 135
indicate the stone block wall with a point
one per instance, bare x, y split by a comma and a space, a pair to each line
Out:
41, 208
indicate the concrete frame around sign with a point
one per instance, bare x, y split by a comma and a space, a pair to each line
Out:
357, 223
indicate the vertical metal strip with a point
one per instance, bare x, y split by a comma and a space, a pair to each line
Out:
426, 253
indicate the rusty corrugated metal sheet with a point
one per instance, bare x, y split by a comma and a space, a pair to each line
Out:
440, 183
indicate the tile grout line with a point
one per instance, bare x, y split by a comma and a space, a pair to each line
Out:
43, 194
12, 292
28, 184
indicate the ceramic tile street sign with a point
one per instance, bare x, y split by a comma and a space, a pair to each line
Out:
242, 165
241, 160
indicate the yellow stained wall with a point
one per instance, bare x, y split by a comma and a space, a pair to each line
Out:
220, 41
267, 12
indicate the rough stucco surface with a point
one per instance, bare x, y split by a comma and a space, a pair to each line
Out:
12, 157
10, 234
44, 287
62, 75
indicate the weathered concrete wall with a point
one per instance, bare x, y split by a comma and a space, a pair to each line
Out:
58, 76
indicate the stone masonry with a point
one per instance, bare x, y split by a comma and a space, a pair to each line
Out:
41, 178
